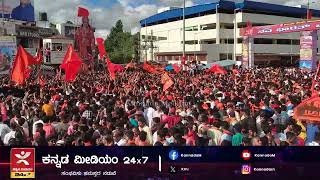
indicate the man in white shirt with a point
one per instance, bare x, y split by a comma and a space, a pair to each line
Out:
143, 127
149, 115
4, 129
118, 138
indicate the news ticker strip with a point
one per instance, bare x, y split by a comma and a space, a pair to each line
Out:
28, 162
141, 155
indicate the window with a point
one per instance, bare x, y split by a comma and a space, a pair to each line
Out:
56, 46
283, 41
244, 24
190, 42
227, 26
262, 41
295, 42
226, 41
208, 26
191, 28
225, 56
162, 38
208, 41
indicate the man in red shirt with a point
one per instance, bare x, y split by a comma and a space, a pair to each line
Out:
172, 119
48, 128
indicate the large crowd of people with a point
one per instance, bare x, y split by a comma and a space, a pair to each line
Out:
248, 108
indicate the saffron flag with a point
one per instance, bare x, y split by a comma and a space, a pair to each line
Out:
149, 68
102, 50
176, 68
166, 81
20, 70
71, 64
82, 12
216, 69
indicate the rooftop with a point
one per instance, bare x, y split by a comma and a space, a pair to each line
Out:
228, 7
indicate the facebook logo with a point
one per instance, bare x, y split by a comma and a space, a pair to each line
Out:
173, 155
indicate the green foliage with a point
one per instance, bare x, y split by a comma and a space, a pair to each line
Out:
119, 44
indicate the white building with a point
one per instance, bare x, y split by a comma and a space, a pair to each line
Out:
210, 35
67, 29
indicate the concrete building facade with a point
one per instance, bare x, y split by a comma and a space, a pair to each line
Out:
211, 36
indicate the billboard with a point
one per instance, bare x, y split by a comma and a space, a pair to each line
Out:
308, 50
22, 10
8, 48
245, 51
282, 28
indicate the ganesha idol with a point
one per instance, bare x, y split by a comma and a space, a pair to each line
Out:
85, 43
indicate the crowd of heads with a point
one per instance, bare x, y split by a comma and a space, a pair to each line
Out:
252, 107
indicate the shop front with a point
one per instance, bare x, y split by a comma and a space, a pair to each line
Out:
28, 37
31, 38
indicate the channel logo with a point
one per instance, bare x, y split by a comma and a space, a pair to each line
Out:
22, 163
173, 155
246, 155
246, 169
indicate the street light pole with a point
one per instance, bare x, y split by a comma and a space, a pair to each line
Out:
235, 35
308, 8
184, 31
217, 25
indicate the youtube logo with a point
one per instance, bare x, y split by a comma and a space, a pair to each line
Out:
246, 155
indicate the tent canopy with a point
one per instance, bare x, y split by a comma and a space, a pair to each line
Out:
223, 63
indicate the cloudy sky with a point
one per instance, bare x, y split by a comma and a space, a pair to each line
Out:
104, 13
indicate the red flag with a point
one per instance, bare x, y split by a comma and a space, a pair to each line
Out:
39, 57
118, 68
42, 82
249, 25
111, 68
166, 81
130, 65
183, 61
21, 63
82, 12
149, 68
315, 82
176, 68
71, 64
217, 69
309, 14
27, 73
102, 50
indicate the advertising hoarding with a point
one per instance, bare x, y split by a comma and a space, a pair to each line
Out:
8, 49
308, 50
22, 10
281, 28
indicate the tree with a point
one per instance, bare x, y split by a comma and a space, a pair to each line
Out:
119, 44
